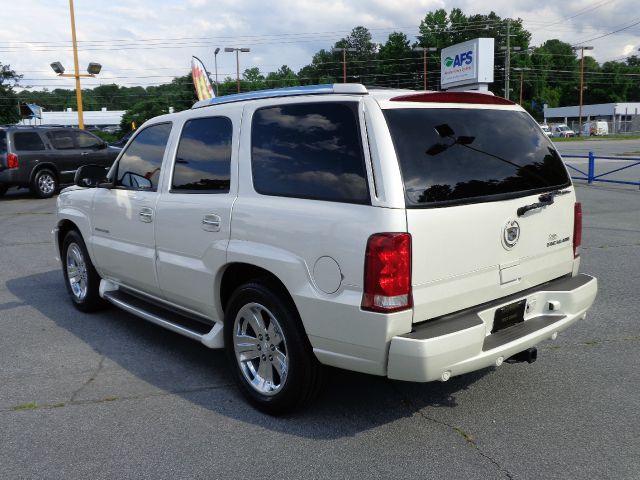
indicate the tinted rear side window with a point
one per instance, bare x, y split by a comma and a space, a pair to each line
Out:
472, 155
3, 141
311, 150
203, 161
140, 164
62, 139
27, 141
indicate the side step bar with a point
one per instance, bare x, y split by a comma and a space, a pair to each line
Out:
182, 323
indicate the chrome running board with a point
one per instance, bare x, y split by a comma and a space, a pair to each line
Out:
187, 325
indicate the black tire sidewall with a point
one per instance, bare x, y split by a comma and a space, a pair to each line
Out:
92, 301
299, 353
36, 188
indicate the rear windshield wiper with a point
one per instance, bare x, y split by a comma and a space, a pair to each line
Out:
543, 200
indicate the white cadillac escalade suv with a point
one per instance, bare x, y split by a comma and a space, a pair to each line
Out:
414, 235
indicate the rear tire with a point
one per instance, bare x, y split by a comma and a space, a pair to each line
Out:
45, 184
80, 277
268, 350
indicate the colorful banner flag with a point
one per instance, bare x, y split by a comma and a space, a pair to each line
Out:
201, 81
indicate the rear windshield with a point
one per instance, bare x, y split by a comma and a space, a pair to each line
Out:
450, 156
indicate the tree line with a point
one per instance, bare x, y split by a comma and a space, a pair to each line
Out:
549, 73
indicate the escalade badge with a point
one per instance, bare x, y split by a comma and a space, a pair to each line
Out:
510, 234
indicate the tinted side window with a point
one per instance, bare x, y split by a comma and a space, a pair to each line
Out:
203, 161
62, 139
139, 166
311, 150
86, 140
27, 141
3, 141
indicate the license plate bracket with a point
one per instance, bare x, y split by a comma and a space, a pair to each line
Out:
509, 315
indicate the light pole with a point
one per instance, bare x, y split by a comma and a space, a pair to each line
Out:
582, 49
215, 63
92, 70
237, 50
344, 51
424, 51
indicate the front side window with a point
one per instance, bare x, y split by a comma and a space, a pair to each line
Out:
203, 160
310, 150
62, 139
140, 164
86, 140
450, 155
27, 141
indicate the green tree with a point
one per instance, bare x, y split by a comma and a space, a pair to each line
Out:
8, 98
397, 63
283, 77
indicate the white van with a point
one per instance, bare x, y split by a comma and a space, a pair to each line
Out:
599, 127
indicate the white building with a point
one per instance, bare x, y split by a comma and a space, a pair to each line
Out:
69, 118
622, 117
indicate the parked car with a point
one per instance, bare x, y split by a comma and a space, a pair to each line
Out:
545, 128
595, 128
561, 130
42, 158
122, 141
416, 236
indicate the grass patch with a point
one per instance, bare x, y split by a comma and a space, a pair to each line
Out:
26, 406
597, 139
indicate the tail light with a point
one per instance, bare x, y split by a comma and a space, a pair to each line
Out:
577, 229
387, 273
12, 160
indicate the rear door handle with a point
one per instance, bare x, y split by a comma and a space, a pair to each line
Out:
146, 215
84, 153
211, 223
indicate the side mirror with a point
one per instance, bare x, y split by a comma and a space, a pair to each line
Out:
103, 145
89, 176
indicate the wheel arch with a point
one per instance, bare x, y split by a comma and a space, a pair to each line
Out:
44, 166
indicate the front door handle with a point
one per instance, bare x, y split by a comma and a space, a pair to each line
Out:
146, 215
84, 153
211, 223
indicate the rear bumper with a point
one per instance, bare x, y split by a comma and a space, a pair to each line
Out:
462, 342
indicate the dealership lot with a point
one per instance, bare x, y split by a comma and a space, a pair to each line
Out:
110, 396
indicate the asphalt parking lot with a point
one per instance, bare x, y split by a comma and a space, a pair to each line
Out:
110, 396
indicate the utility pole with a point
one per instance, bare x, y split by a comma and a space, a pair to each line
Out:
344, 51
215, 63
507, 60
582, 49
424, 51
237, 50
521, 70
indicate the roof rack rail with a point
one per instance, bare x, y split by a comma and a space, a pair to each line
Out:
344, 88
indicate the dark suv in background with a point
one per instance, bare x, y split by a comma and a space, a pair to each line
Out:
43, 158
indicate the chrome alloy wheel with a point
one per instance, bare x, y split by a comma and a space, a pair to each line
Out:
46, 183
260, 348
77, 274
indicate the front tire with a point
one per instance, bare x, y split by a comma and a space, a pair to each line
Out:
268, 350
45, 184
81, 279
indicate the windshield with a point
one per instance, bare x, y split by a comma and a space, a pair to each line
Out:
472, 155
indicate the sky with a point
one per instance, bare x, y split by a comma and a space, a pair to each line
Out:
148, 42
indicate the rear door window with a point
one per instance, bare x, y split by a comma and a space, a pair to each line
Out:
310, 150
86, 140
3, 141
453, 155
27, 141
62, 139
203, 160
140, 164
